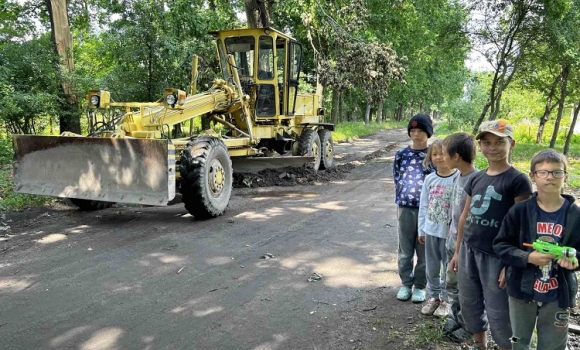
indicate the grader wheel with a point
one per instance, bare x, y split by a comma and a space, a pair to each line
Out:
309, 145
326, 149
206, 177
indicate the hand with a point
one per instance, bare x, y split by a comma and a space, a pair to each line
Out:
567, 263
453, 263
501, 280
421, 239
540, 259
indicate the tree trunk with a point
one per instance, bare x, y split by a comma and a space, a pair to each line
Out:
341, 117
69, 118
335, 106
258, 13
547, 111
380, 111
563, 83
368, 113
481, 118
571, 131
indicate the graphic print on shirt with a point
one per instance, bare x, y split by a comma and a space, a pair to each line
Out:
439, 203
549, 228
543, 282
409, 176
479, 206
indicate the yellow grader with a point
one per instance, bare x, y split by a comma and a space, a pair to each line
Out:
267, 123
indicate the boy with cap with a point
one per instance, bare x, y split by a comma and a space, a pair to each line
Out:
409, 174
490, 195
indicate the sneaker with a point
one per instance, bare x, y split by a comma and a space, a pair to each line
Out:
449, 326
404, 293
442, 311
460, 335
430, 307
418, 295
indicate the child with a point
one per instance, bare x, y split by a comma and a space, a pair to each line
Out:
434, 221
490, 195
409, 174
459, 153
541, 289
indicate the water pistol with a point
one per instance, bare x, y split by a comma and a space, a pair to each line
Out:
555, 249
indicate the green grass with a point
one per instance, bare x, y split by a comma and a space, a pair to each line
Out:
348, 130
526, 147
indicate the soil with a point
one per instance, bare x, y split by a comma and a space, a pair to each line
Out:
301, 260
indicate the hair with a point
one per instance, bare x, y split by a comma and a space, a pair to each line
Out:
427, 162
548, 156
461, 143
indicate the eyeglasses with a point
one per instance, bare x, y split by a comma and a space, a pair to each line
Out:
543, 174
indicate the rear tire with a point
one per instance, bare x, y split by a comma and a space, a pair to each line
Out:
90, 205
326, 149
205, 177
309, 145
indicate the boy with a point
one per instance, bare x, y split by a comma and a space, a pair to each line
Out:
541, 289
459, 152
409, 174
490, 195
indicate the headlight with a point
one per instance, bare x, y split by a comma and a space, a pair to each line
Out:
170, 99
95, 100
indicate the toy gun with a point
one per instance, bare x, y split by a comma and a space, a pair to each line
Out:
555, 249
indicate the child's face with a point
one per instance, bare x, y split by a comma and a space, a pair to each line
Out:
450, 161
418, 135
437, 158
549, 182
495, 148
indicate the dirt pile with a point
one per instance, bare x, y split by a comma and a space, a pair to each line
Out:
303, 176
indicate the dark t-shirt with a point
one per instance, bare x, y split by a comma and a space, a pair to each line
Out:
550, 228
491, 199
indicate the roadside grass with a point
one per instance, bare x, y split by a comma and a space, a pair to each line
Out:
348, 130
428, 333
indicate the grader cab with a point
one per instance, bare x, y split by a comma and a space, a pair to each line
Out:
268, 123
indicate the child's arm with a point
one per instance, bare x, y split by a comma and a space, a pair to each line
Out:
423, 208
506, 245
460, 227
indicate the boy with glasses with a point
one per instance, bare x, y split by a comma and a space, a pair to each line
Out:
541, 289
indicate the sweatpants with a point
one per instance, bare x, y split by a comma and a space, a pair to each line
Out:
436, 265
480, 296
451, 283
550, 320
408, 219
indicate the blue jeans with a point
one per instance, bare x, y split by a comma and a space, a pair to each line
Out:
550, 320
408, 219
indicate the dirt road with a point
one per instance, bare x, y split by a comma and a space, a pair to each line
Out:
154, 278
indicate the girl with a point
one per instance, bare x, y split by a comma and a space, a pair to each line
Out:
434, 219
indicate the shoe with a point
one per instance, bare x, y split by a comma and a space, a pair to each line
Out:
442, 311
430, 307
460, 335
449, 326
404, 293
418, 295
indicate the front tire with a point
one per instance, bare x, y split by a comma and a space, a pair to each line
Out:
326, 149
309, 145
205, 177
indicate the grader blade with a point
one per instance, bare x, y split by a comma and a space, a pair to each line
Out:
257, 164
122, 170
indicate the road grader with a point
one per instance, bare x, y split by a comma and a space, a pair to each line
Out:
267, 123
